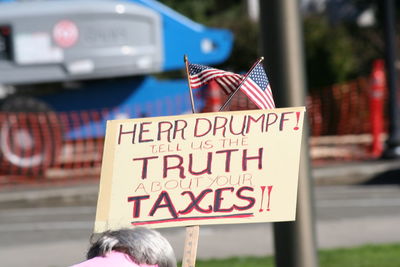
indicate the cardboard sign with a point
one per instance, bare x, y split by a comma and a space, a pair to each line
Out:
207, 168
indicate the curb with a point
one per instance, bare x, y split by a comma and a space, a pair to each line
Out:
71, 195
353, 173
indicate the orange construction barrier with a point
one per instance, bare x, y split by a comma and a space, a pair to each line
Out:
213, 101
378, 86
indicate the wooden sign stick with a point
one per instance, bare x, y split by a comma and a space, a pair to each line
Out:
192, 232
190, 248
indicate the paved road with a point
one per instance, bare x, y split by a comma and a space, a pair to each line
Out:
52, 235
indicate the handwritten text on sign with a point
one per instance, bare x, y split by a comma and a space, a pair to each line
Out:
210, 168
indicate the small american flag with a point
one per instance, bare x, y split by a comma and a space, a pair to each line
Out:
258, 89
256, 86
200, 75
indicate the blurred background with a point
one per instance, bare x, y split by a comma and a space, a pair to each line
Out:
68, 66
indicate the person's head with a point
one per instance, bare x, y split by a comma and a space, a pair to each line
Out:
143, 245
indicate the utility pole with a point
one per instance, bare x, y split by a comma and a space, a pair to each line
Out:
393, 143
281, 26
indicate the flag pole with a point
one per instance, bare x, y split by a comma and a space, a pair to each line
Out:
185, 58
241, 83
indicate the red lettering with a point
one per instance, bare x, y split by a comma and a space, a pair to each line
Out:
177, 166
218, 199
251, 119
197, 127
207, 169
136, 204
143, 130
164, 197
145, 165
222, 126
194, 204
251, 200
228, 153
133, 133
268, 120
167, 130
181, 130
283, 119
246, 158
241, 132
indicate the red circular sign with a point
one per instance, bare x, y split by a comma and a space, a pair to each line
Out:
65, 33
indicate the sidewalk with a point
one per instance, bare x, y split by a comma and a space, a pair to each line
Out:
373, 171
380, 172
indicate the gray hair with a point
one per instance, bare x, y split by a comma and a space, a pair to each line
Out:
143, 245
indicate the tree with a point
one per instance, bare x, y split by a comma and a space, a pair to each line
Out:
230, 15
336, 50
329, 52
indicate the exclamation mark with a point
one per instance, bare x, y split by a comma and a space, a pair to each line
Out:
297, 123
269, 196
262, 197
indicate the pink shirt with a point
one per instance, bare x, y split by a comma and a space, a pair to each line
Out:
112, 259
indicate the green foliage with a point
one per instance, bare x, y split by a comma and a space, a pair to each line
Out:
334, 53
329, 53
230, 15
237, 262
364, 256
201, 10
340, 52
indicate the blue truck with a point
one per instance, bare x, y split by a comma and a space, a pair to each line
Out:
69, 55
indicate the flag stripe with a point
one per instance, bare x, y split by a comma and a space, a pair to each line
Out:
203, 78
255, 93
254, 96
225, 86
260, 93
229, 83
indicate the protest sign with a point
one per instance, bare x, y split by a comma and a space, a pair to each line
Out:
207, 168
